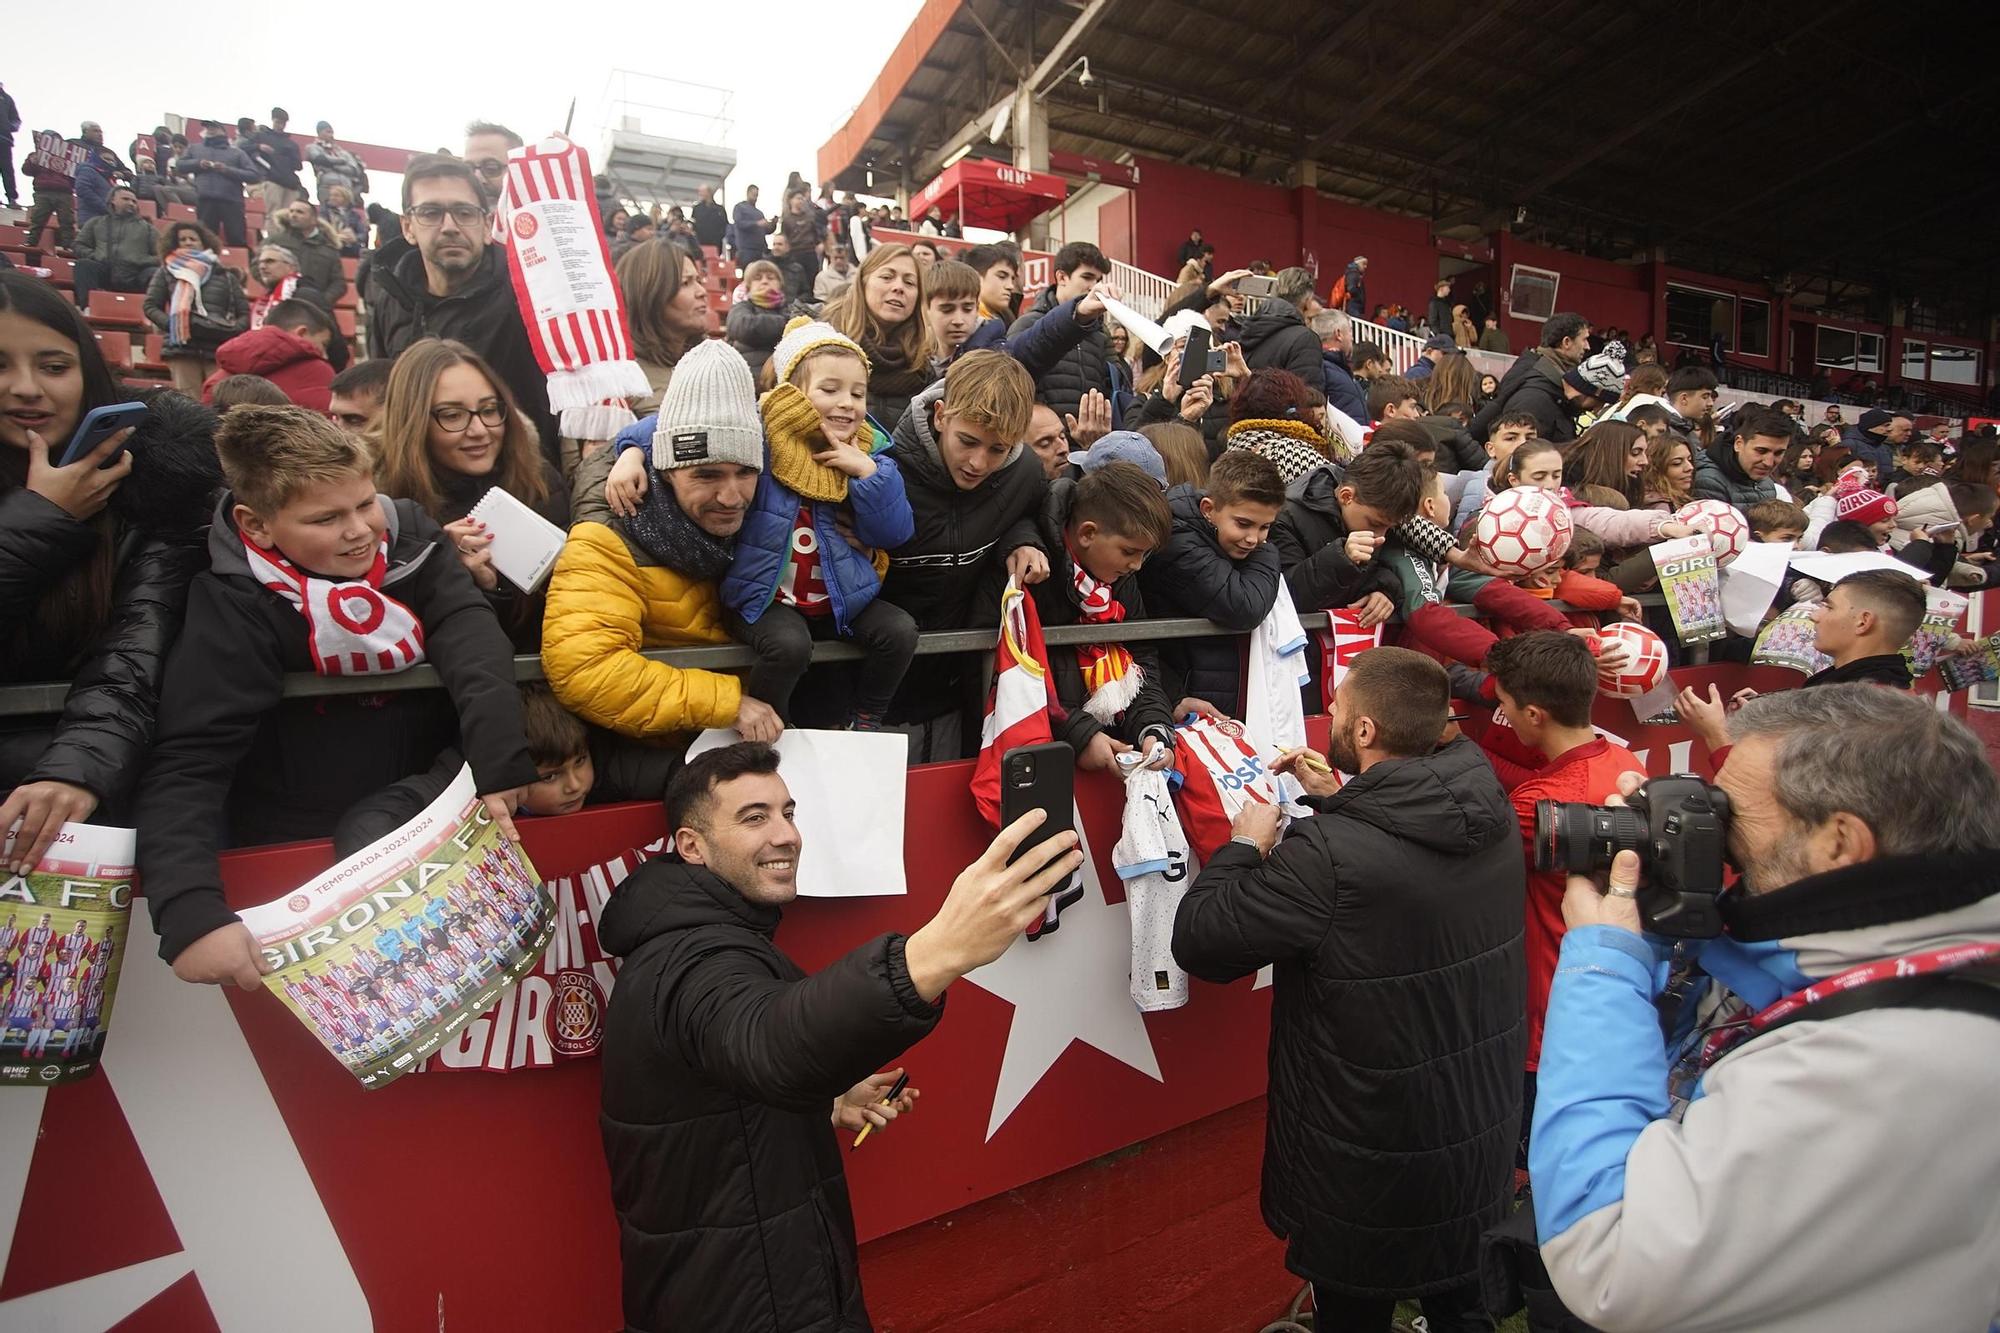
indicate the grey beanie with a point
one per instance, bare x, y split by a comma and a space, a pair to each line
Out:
1127, 446
709, 412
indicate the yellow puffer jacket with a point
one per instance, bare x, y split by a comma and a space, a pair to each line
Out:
607, 601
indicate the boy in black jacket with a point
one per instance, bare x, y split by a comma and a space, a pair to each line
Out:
1333, 522
1098, 532
310, 570
1219, 563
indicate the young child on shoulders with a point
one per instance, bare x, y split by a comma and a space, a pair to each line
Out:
310, 571
1098, 532
813, 548
1219, 563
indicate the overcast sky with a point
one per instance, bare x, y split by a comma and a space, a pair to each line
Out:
795, 73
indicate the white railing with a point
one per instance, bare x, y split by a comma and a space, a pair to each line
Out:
1403, 349
1147, 293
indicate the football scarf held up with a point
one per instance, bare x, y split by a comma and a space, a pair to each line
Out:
352, 628
1110, 677
574, 313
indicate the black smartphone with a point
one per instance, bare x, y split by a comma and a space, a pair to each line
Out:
99, 426
1194, 356
1038, 777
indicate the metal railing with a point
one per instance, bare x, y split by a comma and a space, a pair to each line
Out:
1147, 293
1403, 349
47, 697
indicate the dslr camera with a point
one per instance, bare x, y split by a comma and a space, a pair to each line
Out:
1679, 827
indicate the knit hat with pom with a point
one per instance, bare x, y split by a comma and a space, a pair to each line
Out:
1865, 507
803, 337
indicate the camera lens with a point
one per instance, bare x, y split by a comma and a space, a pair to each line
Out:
1584, 838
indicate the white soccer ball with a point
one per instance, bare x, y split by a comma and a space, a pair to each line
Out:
1723, 524
1648, 666
1521, 530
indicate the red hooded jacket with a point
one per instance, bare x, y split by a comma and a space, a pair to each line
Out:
292, 362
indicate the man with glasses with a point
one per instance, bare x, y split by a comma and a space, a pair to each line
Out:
486, 148
442, 279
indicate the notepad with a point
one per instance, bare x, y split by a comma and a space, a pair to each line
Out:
525, 545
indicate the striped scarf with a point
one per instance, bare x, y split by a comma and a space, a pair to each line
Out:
1111, 678
189, 270
352, 629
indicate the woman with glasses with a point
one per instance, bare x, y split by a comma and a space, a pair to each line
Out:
449, 432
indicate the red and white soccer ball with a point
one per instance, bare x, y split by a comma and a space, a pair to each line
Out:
1724, 525
1647, 668
1522, 530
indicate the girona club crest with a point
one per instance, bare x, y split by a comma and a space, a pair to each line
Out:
577, 1024
525, 225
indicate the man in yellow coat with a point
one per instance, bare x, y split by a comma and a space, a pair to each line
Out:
644, 562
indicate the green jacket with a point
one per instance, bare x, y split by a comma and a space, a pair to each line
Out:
114, 239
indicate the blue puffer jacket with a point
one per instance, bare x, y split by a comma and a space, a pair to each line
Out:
882, 521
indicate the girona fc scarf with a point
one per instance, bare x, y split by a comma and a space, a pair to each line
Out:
352, 629
1339, 644
574, 313
1018, 709
1110, 677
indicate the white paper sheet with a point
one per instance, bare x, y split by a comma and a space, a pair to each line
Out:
1750, 584
849, 788
1833, 566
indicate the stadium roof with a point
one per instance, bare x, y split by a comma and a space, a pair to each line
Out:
1846, 139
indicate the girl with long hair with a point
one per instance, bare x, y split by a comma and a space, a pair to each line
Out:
1452, 381
449, 432
1669, 476
1605, 463
94, 565
883, 310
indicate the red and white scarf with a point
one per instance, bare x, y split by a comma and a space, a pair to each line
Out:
573, 310
1111, 678
261, 307
352, 628
1020, 704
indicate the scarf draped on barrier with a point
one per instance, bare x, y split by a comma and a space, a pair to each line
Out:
574, 312
189, 270
352, 628
1110, 677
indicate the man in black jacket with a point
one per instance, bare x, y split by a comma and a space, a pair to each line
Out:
711, 224
1565, 342
1278, 334
1079, 267
1394, 916
727, 1068
442, 280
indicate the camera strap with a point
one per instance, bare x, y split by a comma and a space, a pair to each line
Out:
1914, 980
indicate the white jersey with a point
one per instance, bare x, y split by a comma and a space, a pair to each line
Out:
1152, 859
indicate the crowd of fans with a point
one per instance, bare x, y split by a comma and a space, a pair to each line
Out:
876, 441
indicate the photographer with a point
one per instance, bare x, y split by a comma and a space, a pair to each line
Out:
1818, 1165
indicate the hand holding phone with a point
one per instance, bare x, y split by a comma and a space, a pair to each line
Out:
103, 423
83, 488
1194, 356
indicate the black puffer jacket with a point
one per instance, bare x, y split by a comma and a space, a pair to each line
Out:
948, 575
754, 332
483, 315
1084, 367
1058, 603
1533, 384
1191, 576
1457, 451
721, 1062
155, 524
1395, 920
1278, 335
1311, 537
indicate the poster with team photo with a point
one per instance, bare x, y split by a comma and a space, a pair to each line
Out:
389, 953
62, 936
1977, 664
1789, 641
1691, 586
1943, 610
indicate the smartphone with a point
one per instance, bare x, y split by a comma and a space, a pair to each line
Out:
1256, 286
1194, 356
1038, 777
100, 425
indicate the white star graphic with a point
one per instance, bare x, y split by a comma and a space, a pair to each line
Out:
1068, 986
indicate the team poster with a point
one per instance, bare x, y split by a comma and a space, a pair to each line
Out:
62, 936
1692, 587
389, 953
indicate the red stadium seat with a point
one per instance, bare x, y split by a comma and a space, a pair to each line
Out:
343, 319
116, 346
16, 238
350, 267
149, 357
120, 309
62, 272
237, 258
181, 212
